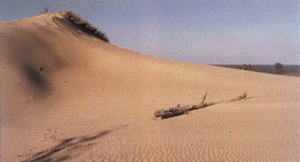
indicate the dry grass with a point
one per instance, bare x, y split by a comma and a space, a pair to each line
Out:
84, 25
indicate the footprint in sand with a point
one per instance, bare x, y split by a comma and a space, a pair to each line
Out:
50, 135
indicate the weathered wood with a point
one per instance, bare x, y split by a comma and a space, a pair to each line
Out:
179, 110
203, 98
174, 111
238, 98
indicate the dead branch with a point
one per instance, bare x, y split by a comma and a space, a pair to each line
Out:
203, 98
238, 98
179, 110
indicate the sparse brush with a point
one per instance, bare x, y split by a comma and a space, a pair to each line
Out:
45, 11
84, 25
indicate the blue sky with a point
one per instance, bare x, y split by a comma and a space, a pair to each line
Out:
200, 31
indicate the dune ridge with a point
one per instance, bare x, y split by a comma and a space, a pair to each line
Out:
68, 96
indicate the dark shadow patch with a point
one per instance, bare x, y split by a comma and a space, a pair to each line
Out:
40, 84
63, 23
69, 148
36, 78
248, 98
87, 139
36, 59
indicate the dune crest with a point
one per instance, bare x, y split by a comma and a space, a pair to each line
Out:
66, 95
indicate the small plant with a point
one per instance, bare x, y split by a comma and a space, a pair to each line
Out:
250, 67
84, 25
45, 11
246, 67
279, 69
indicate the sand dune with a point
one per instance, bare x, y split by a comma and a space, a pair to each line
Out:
66, 95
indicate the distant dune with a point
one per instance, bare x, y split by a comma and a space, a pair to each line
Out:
68, 96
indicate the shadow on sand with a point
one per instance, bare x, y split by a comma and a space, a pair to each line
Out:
69, 148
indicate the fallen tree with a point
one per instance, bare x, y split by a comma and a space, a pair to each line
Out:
179, 110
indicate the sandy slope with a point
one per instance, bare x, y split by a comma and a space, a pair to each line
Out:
95, 101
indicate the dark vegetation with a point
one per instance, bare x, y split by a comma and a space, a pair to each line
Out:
279, 69
45, 10
246, 67
84, 25
291, 70
81, 24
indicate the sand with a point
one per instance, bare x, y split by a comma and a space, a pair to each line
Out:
68, 96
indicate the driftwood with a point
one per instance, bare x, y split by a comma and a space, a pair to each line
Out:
238, 98
179, 110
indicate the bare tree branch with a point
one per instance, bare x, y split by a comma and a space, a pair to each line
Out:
179, 110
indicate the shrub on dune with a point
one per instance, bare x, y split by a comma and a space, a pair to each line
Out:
45, 11
84, 25
279, 69
246, 67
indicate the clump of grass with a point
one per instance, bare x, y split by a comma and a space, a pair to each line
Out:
84, 25
45, 11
